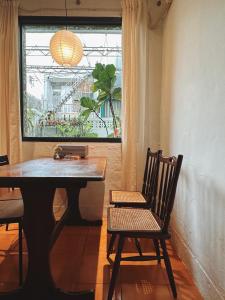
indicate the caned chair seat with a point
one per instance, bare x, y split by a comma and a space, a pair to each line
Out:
120, 197
131, 219
10, 210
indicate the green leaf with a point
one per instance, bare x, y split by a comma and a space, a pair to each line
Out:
105, 77
94, 87
113, 80
104, 82
116, 94
102, 96
110, 70
118, 120
97, 71
88, 103
86, 113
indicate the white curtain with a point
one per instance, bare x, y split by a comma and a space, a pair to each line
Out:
10, 140
135, 104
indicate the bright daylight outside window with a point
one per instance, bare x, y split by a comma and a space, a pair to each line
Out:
81, 102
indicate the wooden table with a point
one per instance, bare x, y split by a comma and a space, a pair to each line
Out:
38, 180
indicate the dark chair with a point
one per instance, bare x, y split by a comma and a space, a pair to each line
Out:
139, 199
11, 211
147, 223
5, 161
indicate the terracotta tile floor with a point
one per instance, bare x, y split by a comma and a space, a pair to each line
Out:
78, 262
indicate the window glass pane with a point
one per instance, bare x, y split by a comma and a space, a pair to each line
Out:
68, 102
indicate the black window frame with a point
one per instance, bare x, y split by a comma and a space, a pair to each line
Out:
52, 20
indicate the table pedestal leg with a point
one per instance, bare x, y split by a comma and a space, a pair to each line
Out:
74, 216
38, 227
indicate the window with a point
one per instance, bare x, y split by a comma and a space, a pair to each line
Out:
66, 103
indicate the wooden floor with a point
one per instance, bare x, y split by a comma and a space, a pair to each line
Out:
78, 262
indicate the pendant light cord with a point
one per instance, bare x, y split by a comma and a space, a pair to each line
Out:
66, 13
66, 8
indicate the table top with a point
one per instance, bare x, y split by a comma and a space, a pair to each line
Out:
50, 170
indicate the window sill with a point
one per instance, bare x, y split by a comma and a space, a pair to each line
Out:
84, 139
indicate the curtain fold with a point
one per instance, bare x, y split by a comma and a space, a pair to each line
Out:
10, 138
135, 105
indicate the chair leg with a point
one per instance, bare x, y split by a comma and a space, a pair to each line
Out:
157, 250
138, 246
168, 268
20, 254
116, 266
7, 227
111, 243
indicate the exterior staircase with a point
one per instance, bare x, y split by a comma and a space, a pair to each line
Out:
72, 91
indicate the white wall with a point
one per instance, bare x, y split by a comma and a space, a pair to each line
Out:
193, 124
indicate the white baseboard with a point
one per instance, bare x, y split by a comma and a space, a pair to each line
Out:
202, 280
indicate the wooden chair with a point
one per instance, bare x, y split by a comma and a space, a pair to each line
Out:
147, 223
144, 198
11, 211
139, 199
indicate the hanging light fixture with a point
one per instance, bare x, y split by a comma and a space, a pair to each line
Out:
65, 47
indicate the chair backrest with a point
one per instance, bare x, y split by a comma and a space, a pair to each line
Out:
166, 184
4, 160
151, 167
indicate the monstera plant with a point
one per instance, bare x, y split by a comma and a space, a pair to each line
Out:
104, 84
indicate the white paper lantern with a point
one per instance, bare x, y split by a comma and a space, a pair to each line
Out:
66, 48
